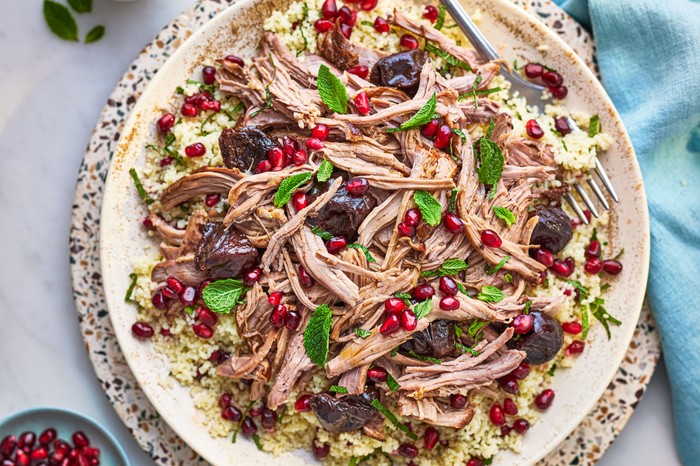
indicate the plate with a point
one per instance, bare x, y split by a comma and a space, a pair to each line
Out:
516, 35
66, 422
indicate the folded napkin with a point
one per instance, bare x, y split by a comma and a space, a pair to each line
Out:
649, 57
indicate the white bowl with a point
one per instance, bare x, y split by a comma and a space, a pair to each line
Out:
516, 35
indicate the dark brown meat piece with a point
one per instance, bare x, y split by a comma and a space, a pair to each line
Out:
224, 252
401, 71
544, 342
438, 340
337, 49
553, 231
343, 214
344, 414
244, 149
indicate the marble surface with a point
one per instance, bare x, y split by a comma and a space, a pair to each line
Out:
52, 92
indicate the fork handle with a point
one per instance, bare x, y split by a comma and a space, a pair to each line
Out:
475, 36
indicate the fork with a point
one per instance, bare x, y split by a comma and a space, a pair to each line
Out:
533, 95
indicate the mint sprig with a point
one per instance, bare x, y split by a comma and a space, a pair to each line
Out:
430, 208
491, 161
332, 90
424, 116
60, 21
222, 296
81, 6
317, 335
288, 186
448, 268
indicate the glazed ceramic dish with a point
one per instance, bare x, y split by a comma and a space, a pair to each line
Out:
516, 36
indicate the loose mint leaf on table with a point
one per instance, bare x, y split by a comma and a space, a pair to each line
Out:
506, 215
490, 294
222, 296
424, 116
60, 21
332, 90
429, 207
317, 335
81, 6
289, 185
324, 171
95, 34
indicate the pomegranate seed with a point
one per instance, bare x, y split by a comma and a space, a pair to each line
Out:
523, 323
292, 320
22, 458
362, 103
315, 144
346, 30
496, 415
533, 129
509, 384
320, 132
368, 5
576, 347
491, 239
40, 453
593, 266
195, 150
381, 25
406, 230
361, 71
252, 276
7, 445
412, 217
188, 295
264, 166
61, 448
394, 306
46, 437
534, 70
80, 440
448, 286
225, 400
377, 374
453, 223
430, 130
544, 257
299, 157
142, 330
509, 407
211, 105
587, 214
458, 401
91, 452
390, 325
234, 59
248, 428
423, 292
408, 450
256, 411
449, 303
210, 200
303, 403
544, 400
408, 319
561, 268
289, 145
168, 293
573, 328
593, 249
320, 451
300, 200
166, 122
276, 158
431, 13
200, 288
148, 223
279, 313
430, 438
268, 418
559, 92
356, 187
306, 280
475, 462
189, 110
218, 356
206, 316
410, 43
522, 371
561, 124
552, 79
612, 266
329, 10
275, 298
336, 244
209, 75
203, 331
443, 137
323, 25
346, 16
159, 301
521, 426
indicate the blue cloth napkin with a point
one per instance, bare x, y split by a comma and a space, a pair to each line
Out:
649, 56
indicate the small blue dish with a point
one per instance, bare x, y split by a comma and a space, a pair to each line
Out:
66, 422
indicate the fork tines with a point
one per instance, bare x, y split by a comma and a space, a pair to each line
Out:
600, 171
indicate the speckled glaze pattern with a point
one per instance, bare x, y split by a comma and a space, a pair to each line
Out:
583, 447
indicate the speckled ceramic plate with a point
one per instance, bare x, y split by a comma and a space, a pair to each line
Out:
585, 445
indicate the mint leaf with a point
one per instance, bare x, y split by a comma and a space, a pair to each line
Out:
338, 389
60, 21
363, 249
440, 22
506, 215
429, 207
222, 296
460, 133
289, 185
600, 313
139, 187
422, 309
129, 291
210, 88
367, 23
475, 328
498, 266
424, 116
462, 289
526, 309
81, 6
389, 415
453, 200
420, 357
325, 236
584, 322
490, 294
507, 278
392, 383
491, 162
240, 423
552, 369
362, 333
593, 126
448, 268
332, 90
317, 335
583, 291
324, 171
406, 298
458, 331
258, 443
465, 349
449, 58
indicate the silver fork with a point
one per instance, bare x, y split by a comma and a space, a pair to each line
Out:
533, 95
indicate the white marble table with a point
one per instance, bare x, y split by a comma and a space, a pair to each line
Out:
51, 93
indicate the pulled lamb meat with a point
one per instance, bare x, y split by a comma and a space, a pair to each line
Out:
337, 49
